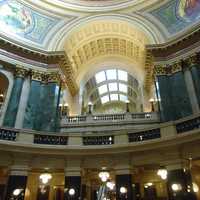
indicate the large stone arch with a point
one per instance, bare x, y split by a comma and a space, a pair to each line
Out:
9, 76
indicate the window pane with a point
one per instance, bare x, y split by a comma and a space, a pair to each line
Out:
112, 87
105, 99
123, 88
111, 74
103, 89
114, 97
123, 97
100, 77
122, 75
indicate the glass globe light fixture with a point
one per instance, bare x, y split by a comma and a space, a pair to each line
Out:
71, 191
176, 187
17, 192
123, 190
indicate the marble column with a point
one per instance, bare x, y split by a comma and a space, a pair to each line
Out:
124, 188
23, 103
191, 89
11, 112
32, 107
179, 184
16, 184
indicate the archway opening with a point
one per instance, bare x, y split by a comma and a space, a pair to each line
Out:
3, 89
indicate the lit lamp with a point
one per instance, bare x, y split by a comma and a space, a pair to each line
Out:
162, 172
104, 176
152, 104
123, 192
110, 185
66, 109
90, 107
17, 192
176, 187
45, 178
127, 105
71, 192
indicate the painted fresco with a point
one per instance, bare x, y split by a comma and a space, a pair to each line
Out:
178, 14
17, 19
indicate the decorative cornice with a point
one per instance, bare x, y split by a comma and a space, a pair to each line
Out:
167, 69
173, 47
67, 69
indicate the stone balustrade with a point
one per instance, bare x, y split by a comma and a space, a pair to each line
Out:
110, 117
105, 122
158, 132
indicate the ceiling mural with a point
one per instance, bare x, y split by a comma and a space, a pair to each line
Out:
22, 21
177, 14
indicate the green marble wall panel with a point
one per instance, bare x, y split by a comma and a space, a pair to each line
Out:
166, 100
49, 102
33, 106
180, 96
41, 111
195, 70
175, 102
12, 109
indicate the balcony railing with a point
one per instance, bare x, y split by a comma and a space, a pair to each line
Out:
188, 125
144, 135
50, 139
6, 134
151, 116
98, 140
159, 132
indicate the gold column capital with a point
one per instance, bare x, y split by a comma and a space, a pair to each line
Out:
20, 71
36, 75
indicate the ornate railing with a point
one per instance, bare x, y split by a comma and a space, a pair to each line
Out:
50, 139
144, 135
98, 140
6, 134
188, 125
123, 136
148, 115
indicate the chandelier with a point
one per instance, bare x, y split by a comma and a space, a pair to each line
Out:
162, 172
45, 178
104, 176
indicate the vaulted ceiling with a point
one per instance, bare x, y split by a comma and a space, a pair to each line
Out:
92, 29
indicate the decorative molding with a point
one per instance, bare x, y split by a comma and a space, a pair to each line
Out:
69, 76
20, 71
167, 69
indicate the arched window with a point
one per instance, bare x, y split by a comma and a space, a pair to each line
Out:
112, 85
109, 89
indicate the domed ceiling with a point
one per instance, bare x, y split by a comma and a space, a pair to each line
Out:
40, 23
